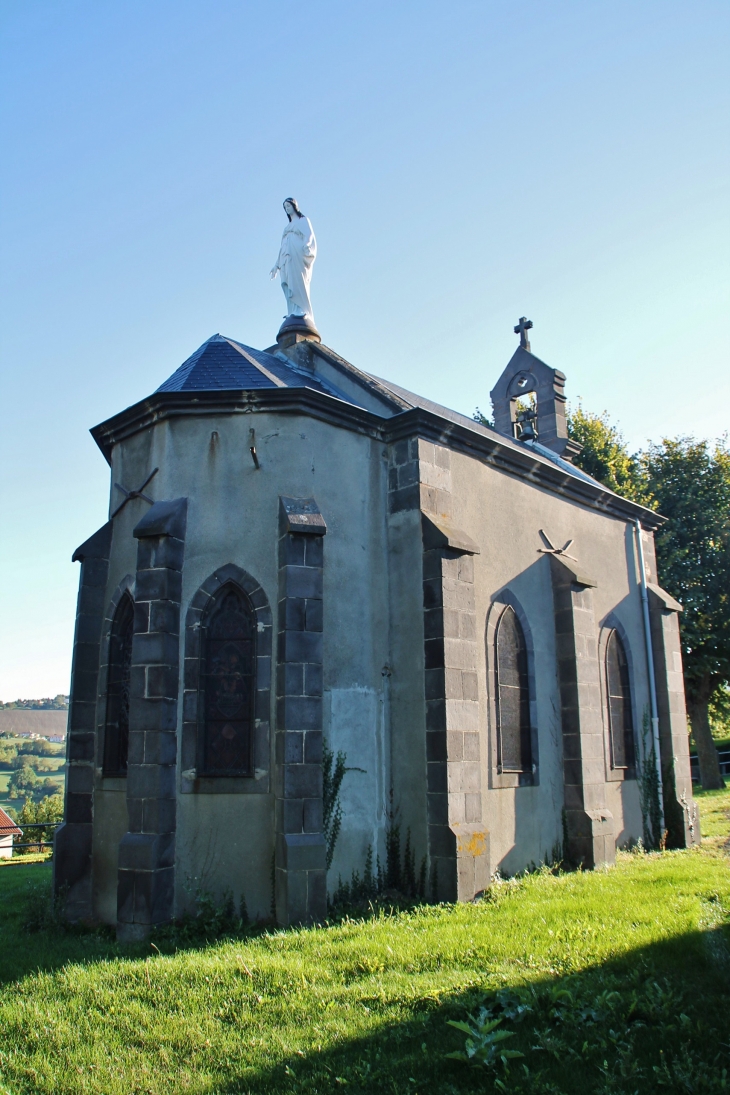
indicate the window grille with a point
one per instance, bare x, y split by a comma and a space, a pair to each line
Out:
227, 686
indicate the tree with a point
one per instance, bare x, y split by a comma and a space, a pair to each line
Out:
720, 713
481, 418
23, 761
41, 747
22, 783
604, 454
8, 753
49, 810
689, 481
57, 703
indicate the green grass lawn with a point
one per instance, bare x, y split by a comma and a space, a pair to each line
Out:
612, 981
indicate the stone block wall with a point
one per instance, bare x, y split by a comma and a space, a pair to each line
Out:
457, 838
589, 828
681, 816
146, 873
419, 478
73, 841
300, 856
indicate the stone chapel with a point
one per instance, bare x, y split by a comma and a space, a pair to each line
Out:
299, 551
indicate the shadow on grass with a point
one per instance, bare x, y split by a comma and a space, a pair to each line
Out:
655, 1020
36, 940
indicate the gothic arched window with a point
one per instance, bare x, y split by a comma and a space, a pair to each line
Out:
618, 692
116, 734
514, 748
227, 686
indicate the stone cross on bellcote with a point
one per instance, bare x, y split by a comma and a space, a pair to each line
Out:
521, 329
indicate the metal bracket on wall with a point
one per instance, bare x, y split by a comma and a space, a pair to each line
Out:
130, 494
252, 447
552, 550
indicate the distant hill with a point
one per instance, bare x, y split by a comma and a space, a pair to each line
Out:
24, 722
58, 703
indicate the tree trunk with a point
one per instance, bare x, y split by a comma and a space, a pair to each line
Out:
697, 709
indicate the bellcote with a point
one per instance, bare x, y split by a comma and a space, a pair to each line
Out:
545, 420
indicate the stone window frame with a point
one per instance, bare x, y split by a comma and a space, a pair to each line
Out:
500, 603
108, 783
609, 624
260, 782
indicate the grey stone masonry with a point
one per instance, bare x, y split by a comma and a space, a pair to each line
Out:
146, 873
458, 841
681, 816
526, 373
589, 828
300, 856
419, 477
73, 841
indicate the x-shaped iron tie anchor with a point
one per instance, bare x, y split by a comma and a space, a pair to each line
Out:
552, 550
130, 494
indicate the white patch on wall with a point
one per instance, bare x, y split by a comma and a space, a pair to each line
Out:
355, 725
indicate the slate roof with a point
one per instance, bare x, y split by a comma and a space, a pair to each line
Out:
222, 364
463, 420
331, 388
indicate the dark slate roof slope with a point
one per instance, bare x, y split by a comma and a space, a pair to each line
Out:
470, 423
222, 364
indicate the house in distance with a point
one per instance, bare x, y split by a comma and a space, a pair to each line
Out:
298, 552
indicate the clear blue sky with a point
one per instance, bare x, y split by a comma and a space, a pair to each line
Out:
463, 164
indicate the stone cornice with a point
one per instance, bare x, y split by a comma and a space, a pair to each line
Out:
491, 449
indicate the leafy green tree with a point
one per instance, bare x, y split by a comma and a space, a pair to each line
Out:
41, 747
49, 810
49, 787
23, 783
8, 753
482, 419
720, 713
23, 761
38, 764
604, 454
57, 703
689, 481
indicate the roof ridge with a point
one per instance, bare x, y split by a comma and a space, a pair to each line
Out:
256, 364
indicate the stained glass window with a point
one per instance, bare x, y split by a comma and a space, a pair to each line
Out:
116, 736
228, 686
514, 746
618, 692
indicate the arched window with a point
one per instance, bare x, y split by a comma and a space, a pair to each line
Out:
116, 735
618, 692
227, 686
514, 747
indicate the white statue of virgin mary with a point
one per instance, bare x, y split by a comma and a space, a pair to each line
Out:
296, 257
